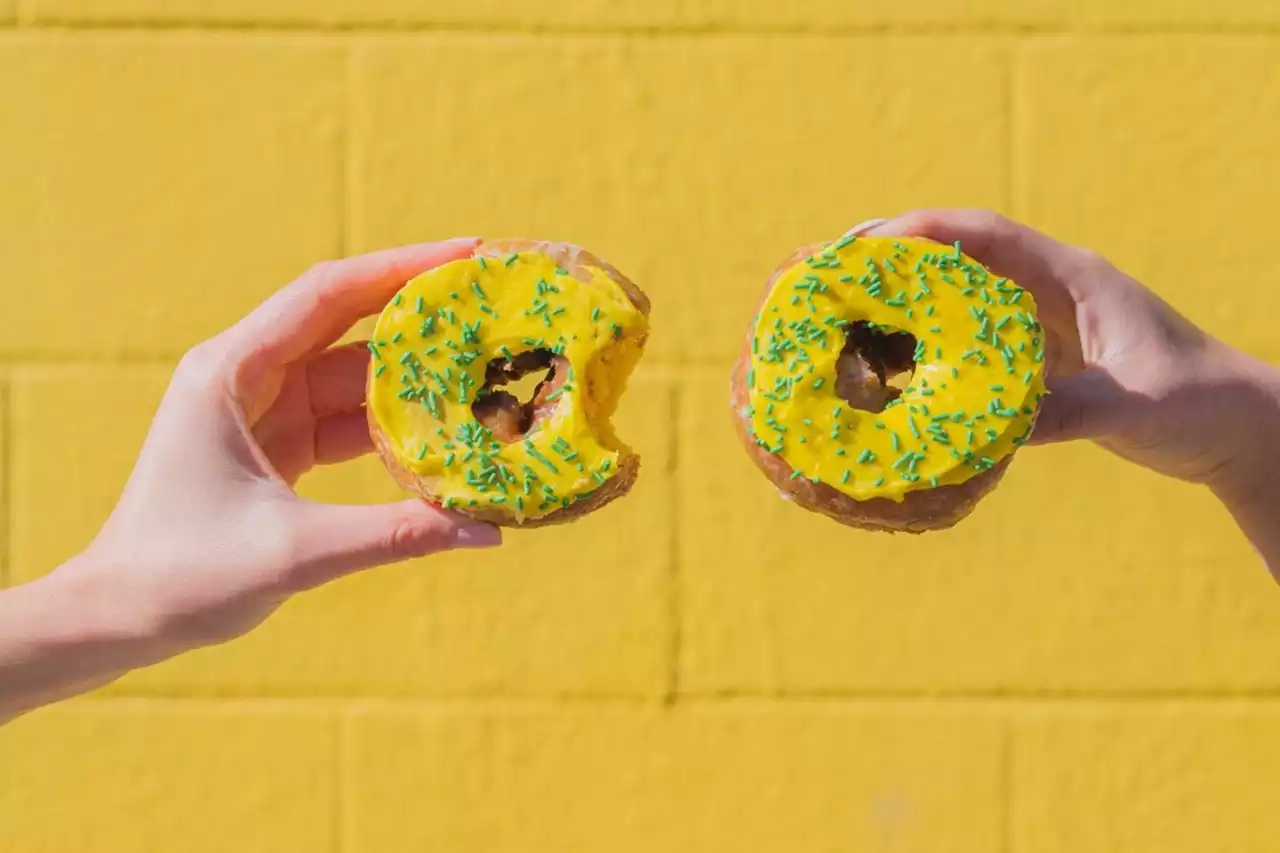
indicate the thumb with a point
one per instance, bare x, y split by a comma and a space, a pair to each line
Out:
339, 540
1085, 405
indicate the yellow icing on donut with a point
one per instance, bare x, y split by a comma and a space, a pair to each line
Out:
431, 347
971, 400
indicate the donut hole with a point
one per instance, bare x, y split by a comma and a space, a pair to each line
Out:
874, 366
517, 393
526, 387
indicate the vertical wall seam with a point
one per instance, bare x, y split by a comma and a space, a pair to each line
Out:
6, 466
346, 142
1006, 792
675, 613
337, 822
1013, 162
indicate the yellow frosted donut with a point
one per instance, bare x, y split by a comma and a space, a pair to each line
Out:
814, 396
451, 343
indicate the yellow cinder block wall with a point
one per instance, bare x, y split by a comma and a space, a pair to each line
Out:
1091, 662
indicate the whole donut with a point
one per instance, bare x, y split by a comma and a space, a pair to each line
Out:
813, 391
452, 338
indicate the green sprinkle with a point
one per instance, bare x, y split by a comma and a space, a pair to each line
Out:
897, 444
373, 348
866, 456
595, 313
844, 478
533, 451
879, 482
475, 287
422, 454
512, 259
997, 388
396, 301
818, 383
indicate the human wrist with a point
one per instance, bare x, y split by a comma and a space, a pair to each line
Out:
68, 632
1254, 469
1250, 487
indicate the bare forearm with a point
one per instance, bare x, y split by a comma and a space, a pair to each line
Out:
1252, 493
1258, 515
63, 635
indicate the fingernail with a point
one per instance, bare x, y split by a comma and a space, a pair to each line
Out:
864, 226
478, 536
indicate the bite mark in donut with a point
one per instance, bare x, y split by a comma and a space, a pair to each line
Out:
450, 345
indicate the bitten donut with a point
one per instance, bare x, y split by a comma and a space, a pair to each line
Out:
887, 382
452, 341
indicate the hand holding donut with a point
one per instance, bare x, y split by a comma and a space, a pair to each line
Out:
1132, 374
208, 538
1005, 337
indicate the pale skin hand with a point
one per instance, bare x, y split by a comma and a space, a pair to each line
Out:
1130, 373
208, 538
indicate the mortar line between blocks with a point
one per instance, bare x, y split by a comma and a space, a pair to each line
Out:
1009, 71
675, 610
349, 166
921, 29
1006, 793
339, 793
1013, 132
6, 470
344, 153
1012, 708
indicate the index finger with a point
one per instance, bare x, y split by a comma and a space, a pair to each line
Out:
318, 308
1049, 269
1054, 272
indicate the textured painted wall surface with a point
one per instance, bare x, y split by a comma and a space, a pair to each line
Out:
701, 667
